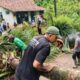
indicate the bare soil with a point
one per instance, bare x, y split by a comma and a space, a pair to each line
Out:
64, 61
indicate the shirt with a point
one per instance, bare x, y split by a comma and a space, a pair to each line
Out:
38, 49
77, 44
19, 43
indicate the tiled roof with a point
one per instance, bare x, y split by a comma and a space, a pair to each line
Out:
20, 5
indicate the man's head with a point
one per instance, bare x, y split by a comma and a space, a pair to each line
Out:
53, 33
59, 42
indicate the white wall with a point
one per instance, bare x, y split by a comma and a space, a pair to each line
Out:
8, 17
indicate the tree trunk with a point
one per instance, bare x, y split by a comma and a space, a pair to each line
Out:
62, 74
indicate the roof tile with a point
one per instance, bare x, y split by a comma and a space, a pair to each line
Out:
20, 5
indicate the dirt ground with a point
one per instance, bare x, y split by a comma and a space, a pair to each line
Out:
64, 61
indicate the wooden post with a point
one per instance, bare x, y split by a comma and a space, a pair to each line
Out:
55, 9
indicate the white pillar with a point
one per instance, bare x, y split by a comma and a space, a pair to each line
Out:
29, 16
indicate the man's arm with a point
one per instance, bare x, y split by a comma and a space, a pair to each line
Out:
43, 68
40, 58
76, 44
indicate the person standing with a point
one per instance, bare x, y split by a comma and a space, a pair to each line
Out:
39, 23
76, 50
32, 63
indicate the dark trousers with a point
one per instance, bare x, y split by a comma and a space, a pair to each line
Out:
39, 27
39, 30
4, 26
76, 55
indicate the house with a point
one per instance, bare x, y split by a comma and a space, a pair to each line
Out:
19, 10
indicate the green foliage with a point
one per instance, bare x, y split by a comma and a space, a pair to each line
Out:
29, 34
39, 2
17, 32
70, 8
66, 50
54, 52
49, 15
25, 25
64, 24
76, 23
25, 32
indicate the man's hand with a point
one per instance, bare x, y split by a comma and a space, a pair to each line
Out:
43, 68
59, 43
49, 67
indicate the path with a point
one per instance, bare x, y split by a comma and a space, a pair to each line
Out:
64, 61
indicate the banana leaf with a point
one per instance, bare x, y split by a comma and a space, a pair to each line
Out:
4, 75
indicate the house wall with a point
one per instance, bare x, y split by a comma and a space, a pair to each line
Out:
8, 16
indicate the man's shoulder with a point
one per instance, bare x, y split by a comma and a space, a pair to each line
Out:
41, 38
38, 37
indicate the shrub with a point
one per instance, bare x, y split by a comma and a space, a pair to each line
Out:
25, 32
64, 24
54, 52
76, 23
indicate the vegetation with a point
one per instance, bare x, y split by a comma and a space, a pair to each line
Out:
68, 10
67, 20
25, 33
68, 15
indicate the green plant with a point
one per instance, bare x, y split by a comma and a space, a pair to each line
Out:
64, 24
54, 52
76, 23
25, 32
66, 50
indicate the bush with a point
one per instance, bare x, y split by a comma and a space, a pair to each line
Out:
54, 52
76, 23
66, 50
64, 24
25, 33
25, 25
17, 32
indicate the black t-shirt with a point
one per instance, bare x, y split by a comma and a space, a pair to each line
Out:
39, 49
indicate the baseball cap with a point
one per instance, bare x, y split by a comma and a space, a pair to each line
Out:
53, 30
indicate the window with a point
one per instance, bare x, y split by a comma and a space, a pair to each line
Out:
7, 12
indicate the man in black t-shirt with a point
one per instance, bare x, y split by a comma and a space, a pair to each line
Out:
37, 51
